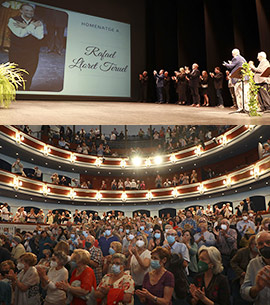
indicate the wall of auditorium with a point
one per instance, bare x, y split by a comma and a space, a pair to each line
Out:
47, 172
128, 209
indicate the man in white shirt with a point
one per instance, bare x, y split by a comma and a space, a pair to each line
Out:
25, 35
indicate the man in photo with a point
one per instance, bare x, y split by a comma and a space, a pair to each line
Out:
26, 33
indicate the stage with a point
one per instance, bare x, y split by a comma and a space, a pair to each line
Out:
120, 113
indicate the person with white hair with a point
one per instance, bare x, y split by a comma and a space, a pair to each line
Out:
237, 62
210, 286
263, 82
256, 286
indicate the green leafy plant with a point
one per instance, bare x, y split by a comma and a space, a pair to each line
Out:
10, 80
253, 90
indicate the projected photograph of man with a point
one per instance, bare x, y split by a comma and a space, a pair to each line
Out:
34, 37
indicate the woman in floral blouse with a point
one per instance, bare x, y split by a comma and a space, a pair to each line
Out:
117, 286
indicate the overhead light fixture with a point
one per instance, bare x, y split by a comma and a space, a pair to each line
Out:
158, 160
16, 183
72, 194
223, 141
72, 158
175, 193
201, 188
256, 172
98, 196
19, 137
173, 158
198, 151
228, 182
46, 150
123, 163
124, 196
98, 162
137, 161
149, 196
148, 162
46, 190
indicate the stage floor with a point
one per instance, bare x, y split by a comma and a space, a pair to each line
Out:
117, 113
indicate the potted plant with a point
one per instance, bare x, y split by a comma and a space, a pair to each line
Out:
10, 80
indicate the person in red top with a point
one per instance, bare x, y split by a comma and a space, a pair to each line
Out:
82, 279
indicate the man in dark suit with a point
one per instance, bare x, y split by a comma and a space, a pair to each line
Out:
159, 78
143, 79
218, 84
237, 62
194, 84
25, 35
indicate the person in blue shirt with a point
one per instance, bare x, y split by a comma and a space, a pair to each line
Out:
106, 240
192, 225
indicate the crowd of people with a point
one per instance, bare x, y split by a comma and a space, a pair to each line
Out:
200, 256
191, 86
164, 140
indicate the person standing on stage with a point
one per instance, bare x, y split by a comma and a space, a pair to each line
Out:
194, 84
237, 62
263, 82
204, 88
143, 78
218, 84
26, 33
159, 85
231, 89
166, 87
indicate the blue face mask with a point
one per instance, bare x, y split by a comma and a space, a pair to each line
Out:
142, 228
120, 230
179, 233
116, 269
84, 233
108, 232
111, 251
171, 239
72, 236
155, 264
157, 235
127, 231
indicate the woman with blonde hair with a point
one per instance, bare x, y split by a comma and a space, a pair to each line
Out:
82, 279
26, 283
210, 286
115, 247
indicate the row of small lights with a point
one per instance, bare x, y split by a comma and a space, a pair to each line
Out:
149, 195
136, 161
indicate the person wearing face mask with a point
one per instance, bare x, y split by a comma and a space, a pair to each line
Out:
210, 286
115, 247
226, 244
265, 226
256, 286
96, 257
158, 284
239, 265
56, 273
128, 240
26, 283
116, 287
158, 238
17, 248
177, 247
139, 261
243, 225
82, 279
106, 240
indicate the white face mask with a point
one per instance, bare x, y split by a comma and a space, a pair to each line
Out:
131, 236
223, 227
139, 243
250, 215
20, 266
245, 217
53, 264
